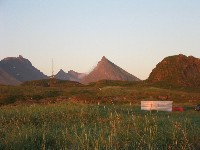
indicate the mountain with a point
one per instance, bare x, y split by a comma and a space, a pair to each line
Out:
7, 79
71, 75
62, 75
177, 70
21, 69
106, 70
76, 75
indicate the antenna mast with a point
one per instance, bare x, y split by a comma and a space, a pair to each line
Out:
52, 69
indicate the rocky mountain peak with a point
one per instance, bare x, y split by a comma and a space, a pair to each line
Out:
106, 70
61, 71
21, 69
104, 59
20, 56
19, 59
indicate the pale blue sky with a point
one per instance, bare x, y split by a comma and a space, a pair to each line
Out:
134, 34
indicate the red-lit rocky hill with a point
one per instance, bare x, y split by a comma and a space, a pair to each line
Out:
177, 70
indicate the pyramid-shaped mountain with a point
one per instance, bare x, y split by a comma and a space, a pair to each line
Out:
21, 69
62, 75
71, 75
6, 79
106, 70
177, 70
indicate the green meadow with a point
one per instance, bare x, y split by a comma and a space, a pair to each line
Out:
103, 115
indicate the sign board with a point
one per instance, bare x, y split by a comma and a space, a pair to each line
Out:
156, 105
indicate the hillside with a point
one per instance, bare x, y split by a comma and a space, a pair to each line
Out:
52, 83
21, 69
106, 70
7, 79
178, 70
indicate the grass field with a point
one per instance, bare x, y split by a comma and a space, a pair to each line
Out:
98, 116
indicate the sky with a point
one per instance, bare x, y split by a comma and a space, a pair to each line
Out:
134, 34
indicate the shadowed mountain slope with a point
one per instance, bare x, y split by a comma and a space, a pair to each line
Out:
62, 75
21, 69
7, 79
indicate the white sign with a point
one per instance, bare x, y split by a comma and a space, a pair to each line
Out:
156, 105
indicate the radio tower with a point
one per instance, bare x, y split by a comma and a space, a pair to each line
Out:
52, 76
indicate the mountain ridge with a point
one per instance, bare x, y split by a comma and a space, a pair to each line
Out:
21, 69
70, 75
178, 70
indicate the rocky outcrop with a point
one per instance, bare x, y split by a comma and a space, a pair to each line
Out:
177, 70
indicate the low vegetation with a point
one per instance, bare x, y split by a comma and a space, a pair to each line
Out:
69, 125
102, 115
